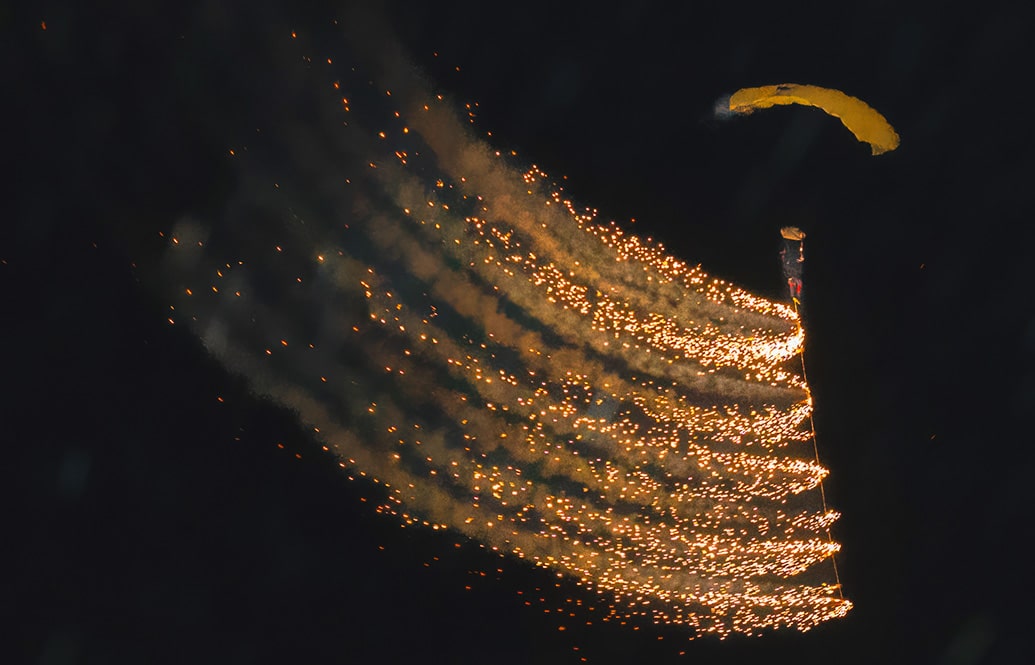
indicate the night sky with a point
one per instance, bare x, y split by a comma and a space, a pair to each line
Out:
161, 513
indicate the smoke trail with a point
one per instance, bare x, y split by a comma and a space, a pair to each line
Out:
509, 367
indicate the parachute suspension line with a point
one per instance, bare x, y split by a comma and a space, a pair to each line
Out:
815, 449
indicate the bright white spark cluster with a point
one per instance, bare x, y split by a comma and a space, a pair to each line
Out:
508, 367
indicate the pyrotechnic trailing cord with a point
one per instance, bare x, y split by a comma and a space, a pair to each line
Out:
815, 448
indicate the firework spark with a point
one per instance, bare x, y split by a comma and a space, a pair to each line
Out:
509, 367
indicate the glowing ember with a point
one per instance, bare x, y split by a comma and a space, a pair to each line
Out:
506, 366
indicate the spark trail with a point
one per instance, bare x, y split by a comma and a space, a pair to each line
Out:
508, 367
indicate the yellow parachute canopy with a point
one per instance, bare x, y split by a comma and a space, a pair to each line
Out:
865, 122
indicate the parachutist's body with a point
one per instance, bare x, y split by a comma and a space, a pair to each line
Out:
792, 255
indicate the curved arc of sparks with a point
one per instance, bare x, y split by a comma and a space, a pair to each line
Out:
506, 367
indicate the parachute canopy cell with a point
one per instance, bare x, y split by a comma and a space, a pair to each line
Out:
861, 119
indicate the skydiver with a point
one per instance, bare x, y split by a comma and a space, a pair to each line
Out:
793, 261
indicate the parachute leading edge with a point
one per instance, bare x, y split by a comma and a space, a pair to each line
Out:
862, 120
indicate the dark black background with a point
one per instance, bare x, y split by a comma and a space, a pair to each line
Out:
151, 522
